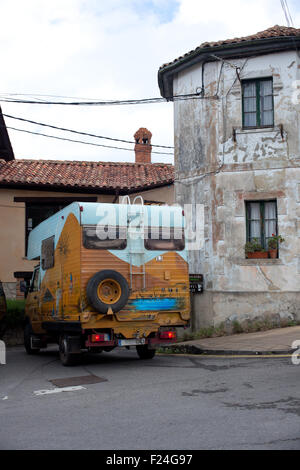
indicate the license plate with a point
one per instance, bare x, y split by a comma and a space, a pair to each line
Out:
131, 342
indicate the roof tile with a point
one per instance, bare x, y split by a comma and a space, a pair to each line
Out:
273, 32
81, 175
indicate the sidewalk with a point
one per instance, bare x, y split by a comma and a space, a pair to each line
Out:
277, 341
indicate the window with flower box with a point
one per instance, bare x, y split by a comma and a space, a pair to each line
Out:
261, 221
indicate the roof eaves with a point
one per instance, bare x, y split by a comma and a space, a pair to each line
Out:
242, 48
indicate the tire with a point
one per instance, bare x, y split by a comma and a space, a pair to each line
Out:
66, 358
144, 352
106, 289
27, 340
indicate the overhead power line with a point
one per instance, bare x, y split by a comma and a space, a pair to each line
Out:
35, 95
287, 13
80, 132
188, 96
79, 141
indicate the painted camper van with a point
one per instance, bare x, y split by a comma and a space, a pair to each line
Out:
107, 275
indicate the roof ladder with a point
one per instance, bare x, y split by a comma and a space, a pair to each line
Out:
135, 235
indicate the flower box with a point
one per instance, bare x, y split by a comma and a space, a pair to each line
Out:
257, 254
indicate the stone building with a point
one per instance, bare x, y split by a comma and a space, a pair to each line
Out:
237, 152
32, 190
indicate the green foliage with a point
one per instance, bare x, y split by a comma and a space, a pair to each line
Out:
274, 241
220, 330
205, 332
15, 313
237, 327
253, 246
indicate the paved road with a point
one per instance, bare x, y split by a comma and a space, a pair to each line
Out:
164, 403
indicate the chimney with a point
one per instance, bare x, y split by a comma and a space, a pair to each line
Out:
142, 146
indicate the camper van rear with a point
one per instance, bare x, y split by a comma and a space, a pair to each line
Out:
107, 275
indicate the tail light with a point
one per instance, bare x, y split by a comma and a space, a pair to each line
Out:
167, 335
100, 337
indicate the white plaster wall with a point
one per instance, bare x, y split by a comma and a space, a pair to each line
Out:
246, 165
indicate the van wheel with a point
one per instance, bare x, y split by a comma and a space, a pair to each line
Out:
66, 358
144, 352
106, 289
27, 340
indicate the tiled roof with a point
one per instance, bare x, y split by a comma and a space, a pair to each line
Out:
98, 176
273, 32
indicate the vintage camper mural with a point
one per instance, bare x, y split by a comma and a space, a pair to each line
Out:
118, 268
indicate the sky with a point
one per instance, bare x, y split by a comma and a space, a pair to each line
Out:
108, 50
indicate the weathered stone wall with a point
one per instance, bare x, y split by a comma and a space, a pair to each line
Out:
221, 165
215, 308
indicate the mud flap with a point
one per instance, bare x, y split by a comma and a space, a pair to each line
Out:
37, 343
74, 344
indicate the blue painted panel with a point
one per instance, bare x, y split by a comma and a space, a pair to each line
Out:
49, 227
155, 304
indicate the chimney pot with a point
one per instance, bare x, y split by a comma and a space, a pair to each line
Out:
142, 146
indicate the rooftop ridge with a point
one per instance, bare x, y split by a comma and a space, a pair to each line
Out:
84, 163
275, 31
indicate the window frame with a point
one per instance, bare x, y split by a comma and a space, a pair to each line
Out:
35, 280
261, 202
257, 82
87, 244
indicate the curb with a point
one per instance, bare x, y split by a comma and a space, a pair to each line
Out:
192, 349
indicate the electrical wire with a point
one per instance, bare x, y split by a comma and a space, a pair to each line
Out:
193, 179
189, 96
79, 141
50, 96
287, 13
289, 21
225, 61
79, 132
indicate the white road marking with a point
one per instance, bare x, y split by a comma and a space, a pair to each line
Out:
5, 398
58, 390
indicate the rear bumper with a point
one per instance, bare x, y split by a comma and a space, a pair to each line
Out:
152, 342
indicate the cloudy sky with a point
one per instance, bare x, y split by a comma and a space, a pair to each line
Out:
107, 50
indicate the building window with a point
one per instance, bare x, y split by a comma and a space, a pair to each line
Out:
261, 219
258, 104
